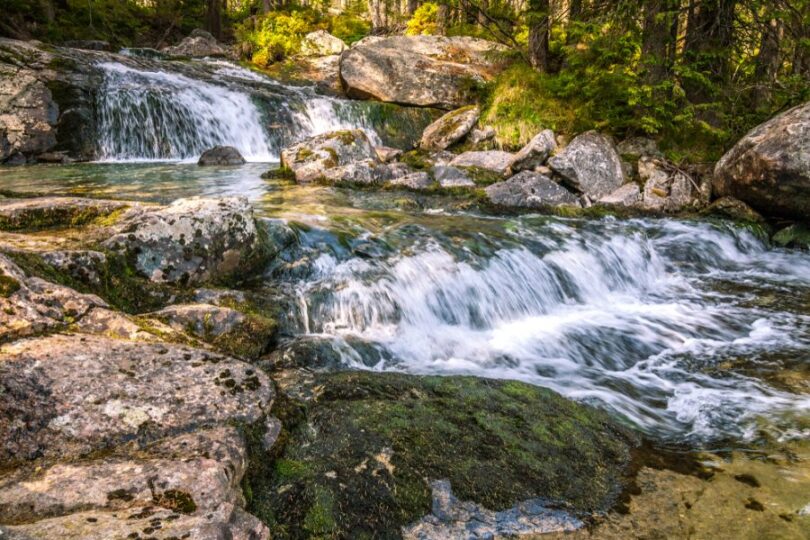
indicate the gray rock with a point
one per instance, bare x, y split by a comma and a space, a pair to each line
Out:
66, 396
45, 212
321, 43
769, 168
309, 159
417, 181
449, 177
492, 160
88, 44
86, 266
480, 136
198, 44
635, 148
535, 153
590, 165
387, 154
628, 195
530, 190
221, 155
731, 208
449, 129
195, 240
451, 518
272, 431
664, 189
365, 172
427, 71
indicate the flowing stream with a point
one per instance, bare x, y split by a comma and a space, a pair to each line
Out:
688, 330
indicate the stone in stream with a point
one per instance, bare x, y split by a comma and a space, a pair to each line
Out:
66, 396
387, 154
197, 44
769, 168
451, 177
221, 155
628, 195
427, 71
664, 189
731, 208
530, 190
47, 212
449, 129
417, 181
195, 240
491, 160
310, 158
321, 43
590, 165
365, 448
535, 153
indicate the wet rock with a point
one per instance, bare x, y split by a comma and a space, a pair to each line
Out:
46, 212
28, 113
198, 44
416, 181
665, 189
449, 177
86, 266
734, 209
590, 165
221, 155
309, 159
769, 168
362, 458
794, 236
427, 71
229, 330
54, 157
449, 129
88, 44
363, 172
535, 153
387, 154
451, 518
530, 190
195, 240
628, 195
30, 305
491, 160
65, 396
321, 43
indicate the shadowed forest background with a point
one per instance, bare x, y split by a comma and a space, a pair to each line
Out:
695, 74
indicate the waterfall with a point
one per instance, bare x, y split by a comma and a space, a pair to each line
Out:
158, 113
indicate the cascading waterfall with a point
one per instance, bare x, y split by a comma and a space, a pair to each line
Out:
631, 317
157, 114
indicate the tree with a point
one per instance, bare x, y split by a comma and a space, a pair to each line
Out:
213, 18
538, 21
709, 36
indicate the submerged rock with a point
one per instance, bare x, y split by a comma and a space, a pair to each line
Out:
530, 190
449, 129
321, 43
427, 71
731, 208
535, 153
195, 240
590, 164
66, 396
368, 446
221, 155
311, 158
198, 44
491, 160
794, 236
769, 168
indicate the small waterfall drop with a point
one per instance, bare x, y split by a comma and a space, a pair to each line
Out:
152, 115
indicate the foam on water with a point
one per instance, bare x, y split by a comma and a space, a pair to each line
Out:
622, 315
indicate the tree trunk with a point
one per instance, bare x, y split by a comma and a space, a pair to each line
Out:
266, 7
658, 39
483, 6
574, 10
214, 18
412, 6
442, 18
709, 36
538, 20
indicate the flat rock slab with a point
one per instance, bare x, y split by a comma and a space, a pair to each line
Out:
491, 160
45, 212
68, 395
530, 190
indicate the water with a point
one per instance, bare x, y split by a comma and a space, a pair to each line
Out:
150, 113
691, 331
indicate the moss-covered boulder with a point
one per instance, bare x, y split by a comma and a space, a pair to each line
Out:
361, 454
38, 213
450, 128
794, 236
311, 158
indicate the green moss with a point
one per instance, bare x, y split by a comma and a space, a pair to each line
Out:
8, 285
794, 236
359, 458
36, 219
303, 154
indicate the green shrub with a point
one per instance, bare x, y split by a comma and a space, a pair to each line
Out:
349, 28
424, 19
277, 35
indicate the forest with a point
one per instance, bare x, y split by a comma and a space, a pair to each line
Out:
695, 74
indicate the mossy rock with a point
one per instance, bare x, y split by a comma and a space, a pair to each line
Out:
794, 236
360, 456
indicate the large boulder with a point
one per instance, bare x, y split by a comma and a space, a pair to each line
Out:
67, 396
363, 458
195, 240
769, 168
321, 43
492, 160
310, 158
449, 128
428, 71
530, 190
198, 44
221, 155
590, 164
